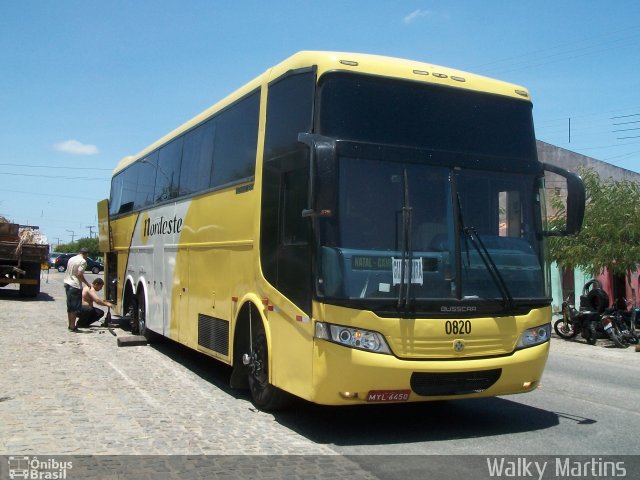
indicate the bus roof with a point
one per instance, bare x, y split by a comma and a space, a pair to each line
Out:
343, 61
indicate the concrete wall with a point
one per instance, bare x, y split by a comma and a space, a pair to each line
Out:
572, 161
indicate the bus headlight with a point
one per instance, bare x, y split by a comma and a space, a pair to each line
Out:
534, 336
352, 337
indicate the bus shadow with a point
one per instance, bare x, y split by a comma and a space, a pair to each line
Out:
414, 422
379, 424
207, 368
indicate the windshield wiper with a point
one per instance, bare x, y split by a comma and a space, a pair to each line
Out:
404, 291
491, 266
472, 234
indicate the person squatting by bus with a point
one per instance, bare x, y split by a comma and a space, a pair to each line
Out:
89, 314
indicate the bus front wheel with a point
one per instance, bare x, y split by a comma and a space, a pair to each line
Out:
265, 396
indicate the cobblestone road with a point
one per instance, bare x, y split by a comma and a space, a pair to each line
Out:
65, 393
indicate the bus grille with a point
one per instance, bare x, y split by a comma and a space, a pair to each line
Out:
213, 333
458, 383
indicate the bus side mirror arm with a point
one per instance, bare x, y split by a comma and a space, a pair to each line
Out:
575, 201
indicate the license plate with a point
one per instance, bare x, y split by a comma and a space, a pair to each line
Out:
388, 395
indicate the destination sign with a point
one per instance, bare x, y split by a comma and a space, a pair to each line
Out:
372, 262
369, 262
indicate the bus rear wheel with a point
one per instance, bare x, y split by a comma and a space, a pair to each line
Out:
140, 318
265, 396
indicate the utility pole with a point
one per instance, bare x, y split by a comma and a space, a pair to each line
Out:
91, 227
73, 235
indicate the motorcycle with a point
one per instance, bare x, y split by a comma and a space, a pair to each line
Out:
630, 316
574, 322
617, 330
596, 319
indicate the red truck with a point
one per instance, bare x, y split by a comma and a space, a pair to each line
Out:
22, 256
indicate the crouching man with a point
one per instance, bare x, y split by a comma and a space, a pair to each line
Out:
88, 313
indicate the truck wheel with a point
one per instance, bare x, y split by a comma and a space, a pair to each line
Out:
33, 273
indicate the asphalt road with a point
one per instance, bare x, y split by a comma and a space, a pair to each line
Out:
166, 399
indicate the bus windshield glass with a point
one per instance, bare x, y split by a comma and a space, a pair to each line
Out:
363, 245
401, 226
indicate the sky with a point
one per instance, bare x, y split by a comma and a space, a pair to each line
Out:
85, 83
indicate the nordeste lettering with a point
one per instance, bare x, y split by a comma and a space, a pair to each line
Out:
161, 226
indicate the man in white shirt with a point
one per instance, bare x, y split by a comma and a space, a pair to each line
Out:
73, 280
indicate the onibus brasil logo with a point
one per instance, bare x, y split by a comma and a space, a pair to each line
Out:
40, 469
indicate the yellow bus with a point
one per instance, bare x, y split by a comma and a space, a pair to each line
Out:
346, 229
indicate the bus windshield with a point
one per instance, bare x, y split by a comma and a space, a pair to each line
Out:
459, 223
364, 244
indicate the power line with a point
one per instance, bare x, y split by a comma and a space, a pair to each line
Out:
625, 116
626, 129
533, 59
52, 176
627, 123
49, 166
46, 194
555, 47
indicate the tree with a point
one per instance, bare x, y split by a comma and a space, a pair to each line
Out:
610, 235
90, 243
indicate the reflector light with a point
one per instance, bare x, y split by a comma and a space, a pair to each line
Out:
348, 395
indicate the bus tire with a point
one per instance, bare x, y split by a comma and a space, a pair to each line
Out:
264, 395
140, 317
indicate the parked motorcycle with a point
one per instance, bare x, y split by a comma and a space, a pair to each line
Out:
574, 322
616, 328
631, 316
596, 319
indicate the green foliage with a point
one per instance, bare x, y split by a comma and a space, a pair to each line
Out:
610, 235
74, 247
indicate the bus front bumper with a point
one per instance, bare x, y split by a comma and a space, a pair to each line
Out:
346, 376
